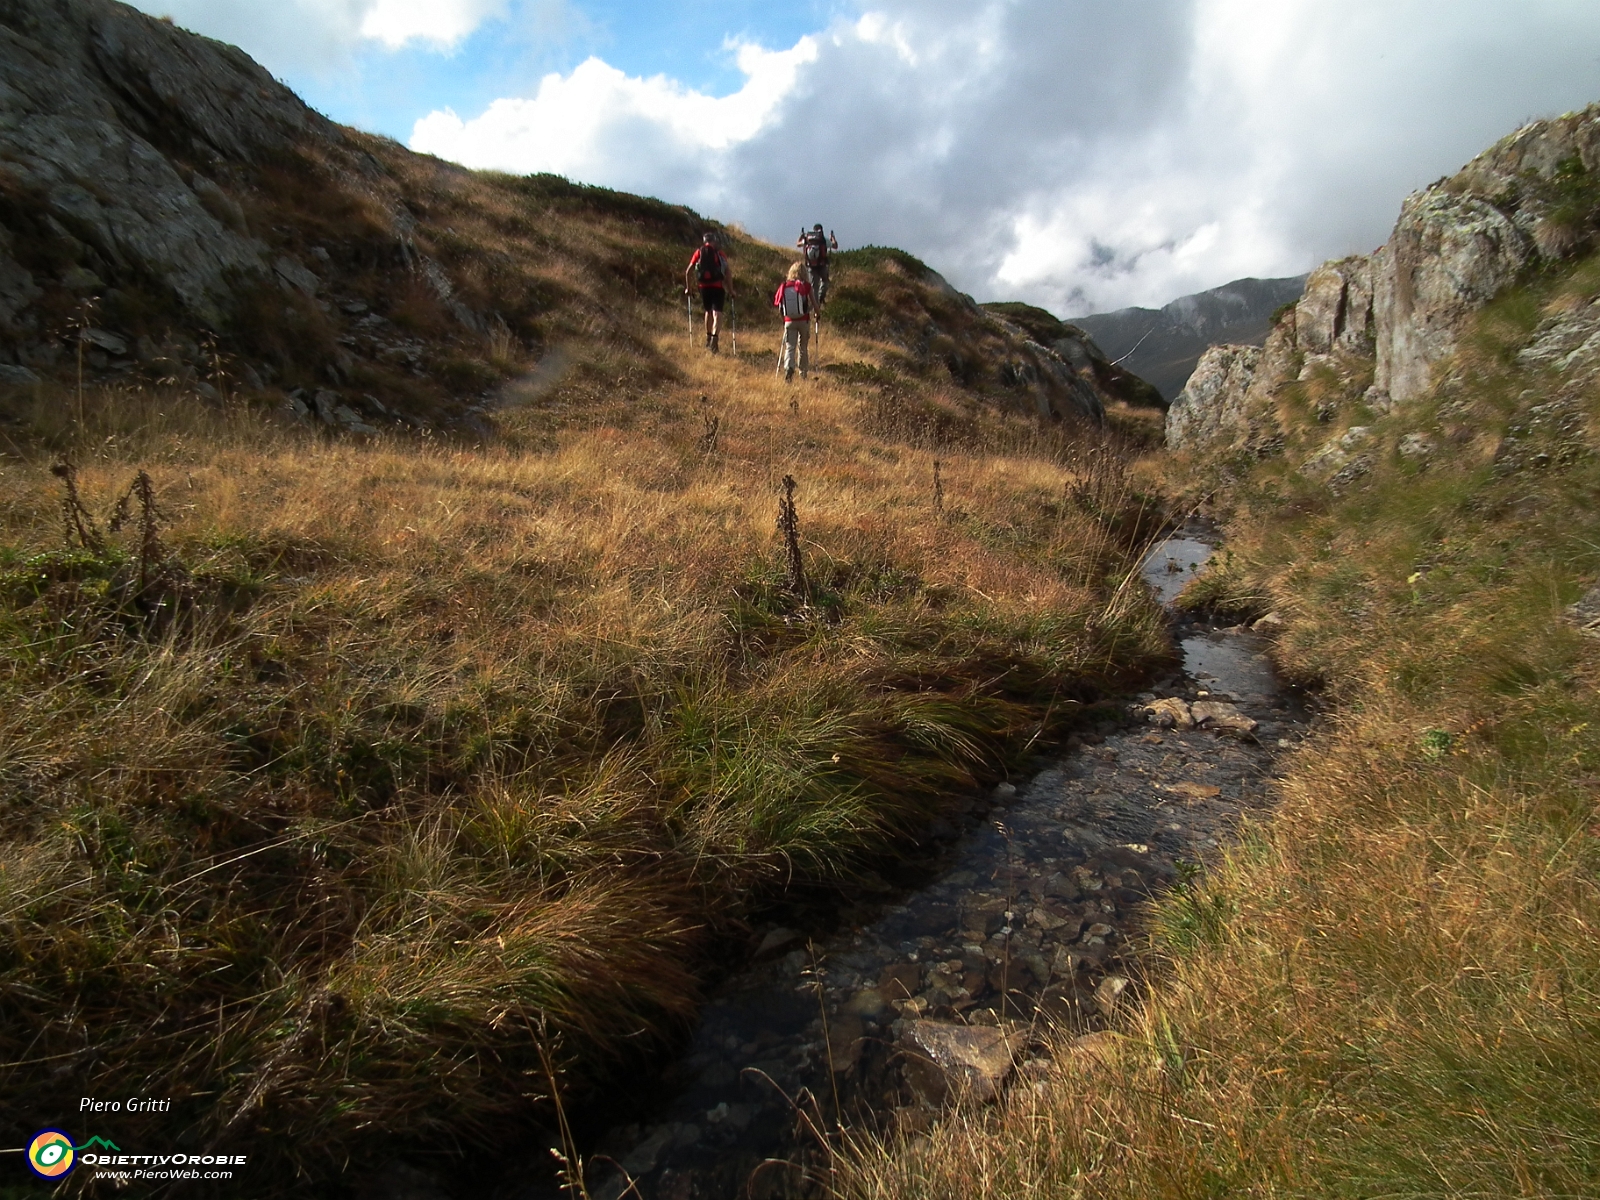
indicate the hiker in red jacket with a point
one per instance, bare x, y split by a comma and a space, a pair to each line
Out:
793, 300
710, 270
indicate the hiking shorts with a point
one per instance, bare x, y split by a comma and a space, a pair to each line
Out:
712, 299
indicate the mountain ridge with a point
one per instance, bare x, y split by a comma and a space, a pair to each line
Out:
1162, 345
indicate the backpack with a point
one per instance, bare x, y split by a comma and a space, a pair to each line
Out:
794, 302
816, 249
710, 264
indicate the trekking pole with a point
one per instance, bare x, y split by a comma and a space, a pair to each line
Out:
688, 311
733, 319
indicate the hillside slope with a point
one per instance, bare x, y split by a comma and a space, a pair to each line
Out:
179, 217
1392, 986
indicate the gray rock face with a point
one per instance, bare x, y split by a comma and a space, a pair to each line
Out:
1448, 257
17, 288
1212, 403
95, 100
1336, 311
1404, 308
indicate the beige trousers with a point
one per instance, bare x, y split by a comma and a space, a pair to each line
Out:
796, 341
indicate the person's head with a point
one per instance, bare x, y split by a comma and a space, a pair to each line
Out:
797, 270
816, 229
710, 239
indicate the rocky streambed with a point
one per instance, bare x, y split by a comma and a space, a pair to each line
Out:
952, 988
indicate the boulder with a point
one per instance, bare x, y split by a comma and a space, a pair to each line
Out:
900, 981
944, 1059
1215, 714
1584, 614
1212, 404
1416, 446
1169, 712
1108, 994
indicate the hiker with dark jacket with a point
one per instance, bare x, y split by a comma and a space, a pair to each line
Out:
814, 247
793, 300
710, 270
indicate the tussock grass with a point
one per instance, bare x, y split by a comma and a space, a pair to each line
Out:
1392, 986
457, 756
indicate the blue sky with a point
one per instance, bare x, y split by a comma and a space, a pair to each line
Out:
1080, 154
387, 91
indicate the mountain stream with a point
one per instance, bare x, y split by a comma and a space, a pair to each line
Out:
951, 988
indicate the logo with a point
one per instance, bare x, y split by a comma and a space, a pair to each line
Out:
51, 1154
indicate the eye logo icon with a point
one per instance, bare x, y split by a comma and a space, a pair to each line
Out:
51, 1154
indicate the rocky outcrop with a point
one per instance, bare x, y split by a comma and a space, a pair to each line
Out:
1448, 257
1335, 312
1070, 360
93, 98
172, 216
1052, 378
1212, 404
1229, 403
1531, 198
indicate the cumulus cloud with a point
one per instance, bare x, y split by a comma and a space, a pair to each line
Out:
300, 36
598, 123
1076, 153
441, 22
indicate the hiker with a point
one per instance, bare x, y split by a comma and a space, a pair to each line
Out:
814, 247
793, 300
709, 268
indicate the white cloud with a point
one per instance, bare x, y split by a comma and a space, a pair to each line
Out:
1076, 153
441, 22
291, 36
597, 123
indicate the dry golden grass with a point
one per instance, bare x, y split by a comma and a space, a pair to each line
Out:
422, 759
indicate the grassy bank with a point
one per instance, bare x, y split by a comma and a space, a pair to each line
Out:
390, 764
1392, 987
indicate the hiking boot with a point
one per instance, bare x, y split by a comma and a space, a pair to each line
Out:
714, 343
788, 376
708, 341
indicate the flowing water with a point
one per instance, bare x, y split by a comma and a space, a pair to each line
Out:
1022, 927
